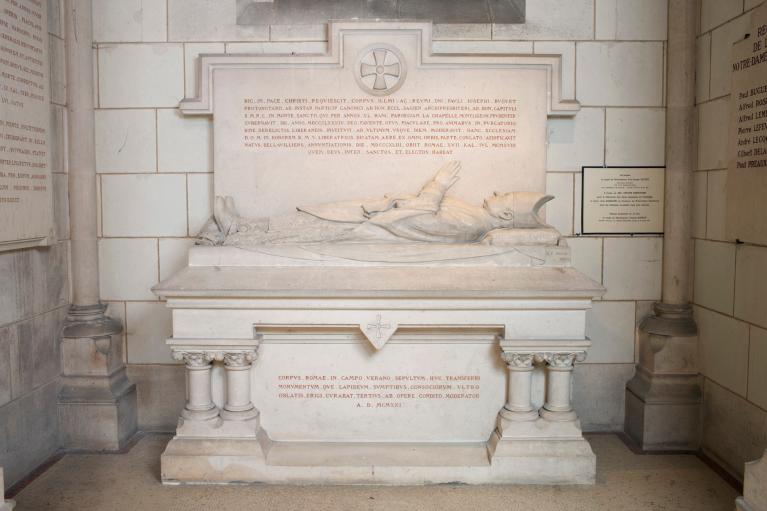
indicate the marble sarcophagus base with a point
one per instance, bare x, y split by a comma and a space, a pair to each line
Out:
332, 371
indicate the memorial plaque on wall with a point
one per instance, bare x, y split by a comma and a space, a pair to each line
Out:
747, 171
622, 200
26, 203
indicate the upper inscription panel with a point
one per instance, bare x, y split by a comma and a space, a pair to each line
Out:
376, 114
25, 175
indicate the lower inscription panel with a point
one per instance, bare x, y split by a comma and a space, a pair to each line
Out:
407, 392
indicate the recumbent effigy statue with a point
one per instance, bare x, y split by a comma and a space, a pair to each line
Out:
431, 216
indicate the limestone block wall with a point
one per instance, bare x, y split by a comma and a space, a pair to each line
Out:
34, 297
730, 280
155, 167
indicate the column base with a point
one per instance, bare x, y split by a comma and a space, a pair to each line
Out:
558, 449
518, 416
538, 429
262, 460
93, 424
662, 426
200, 415
97, 403
239, 415
555, 416
663, 399
218, 427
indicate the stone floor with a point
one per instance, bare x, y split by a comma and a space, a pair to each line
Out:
625, 481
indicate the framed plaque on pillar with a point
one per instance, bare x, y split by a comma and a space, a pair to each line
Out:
26, 199
622, 200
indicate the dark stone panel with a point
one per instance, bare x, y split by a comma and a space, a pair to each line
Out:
734, 430
39, 358
28, 432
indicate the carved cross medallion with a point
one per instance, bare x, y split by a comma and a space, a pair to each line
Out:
381, 70
378, 333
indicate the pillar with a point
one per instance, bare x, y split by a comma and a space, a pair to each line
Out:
199, 402
238, 405
97, 402
519, 406
663, 399
559, 376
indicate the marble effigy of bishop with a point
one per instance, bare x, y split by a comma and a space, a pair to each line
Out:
431, 216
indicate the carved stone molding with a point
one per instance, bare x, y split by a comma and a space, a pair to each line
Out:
555, 359
564, 360
240, 358
194, 358
339, 30
203, 358
518, 360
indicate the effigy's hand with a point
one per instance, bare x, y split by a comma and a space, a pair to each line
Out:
447, 175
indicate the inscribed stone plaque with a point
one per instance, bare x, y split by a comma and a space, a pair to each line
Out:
377, 114
747, 171
622, 200
408, 392
25, 176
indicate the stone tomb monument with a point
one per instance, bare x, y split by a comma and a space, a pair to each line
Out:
377, 298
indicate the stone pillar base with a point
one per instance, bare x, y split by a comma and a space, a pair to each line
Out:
99, 425
663, 426
754, 486
5, 505
218, 427
97, 403
663, 399
261, 460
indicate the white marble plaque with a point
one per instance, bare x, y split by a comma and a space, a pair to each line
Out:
25, 175
747, 173
623, 200
377, 114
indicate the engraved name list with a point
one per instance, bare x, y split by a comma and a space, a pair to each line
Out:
25, 194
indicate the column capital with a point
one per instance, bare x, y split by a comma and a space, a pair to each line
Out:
516, 360
240, 358
564, 360
194, 358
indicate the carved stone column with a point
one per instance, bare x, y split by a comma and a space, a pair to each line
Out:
201, 417
199, 403
519, 406
238, 405
97, 402
663, 399
559, 376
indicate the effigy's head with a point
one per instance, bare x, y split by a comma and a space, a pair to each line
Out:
517, 209
501, 206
